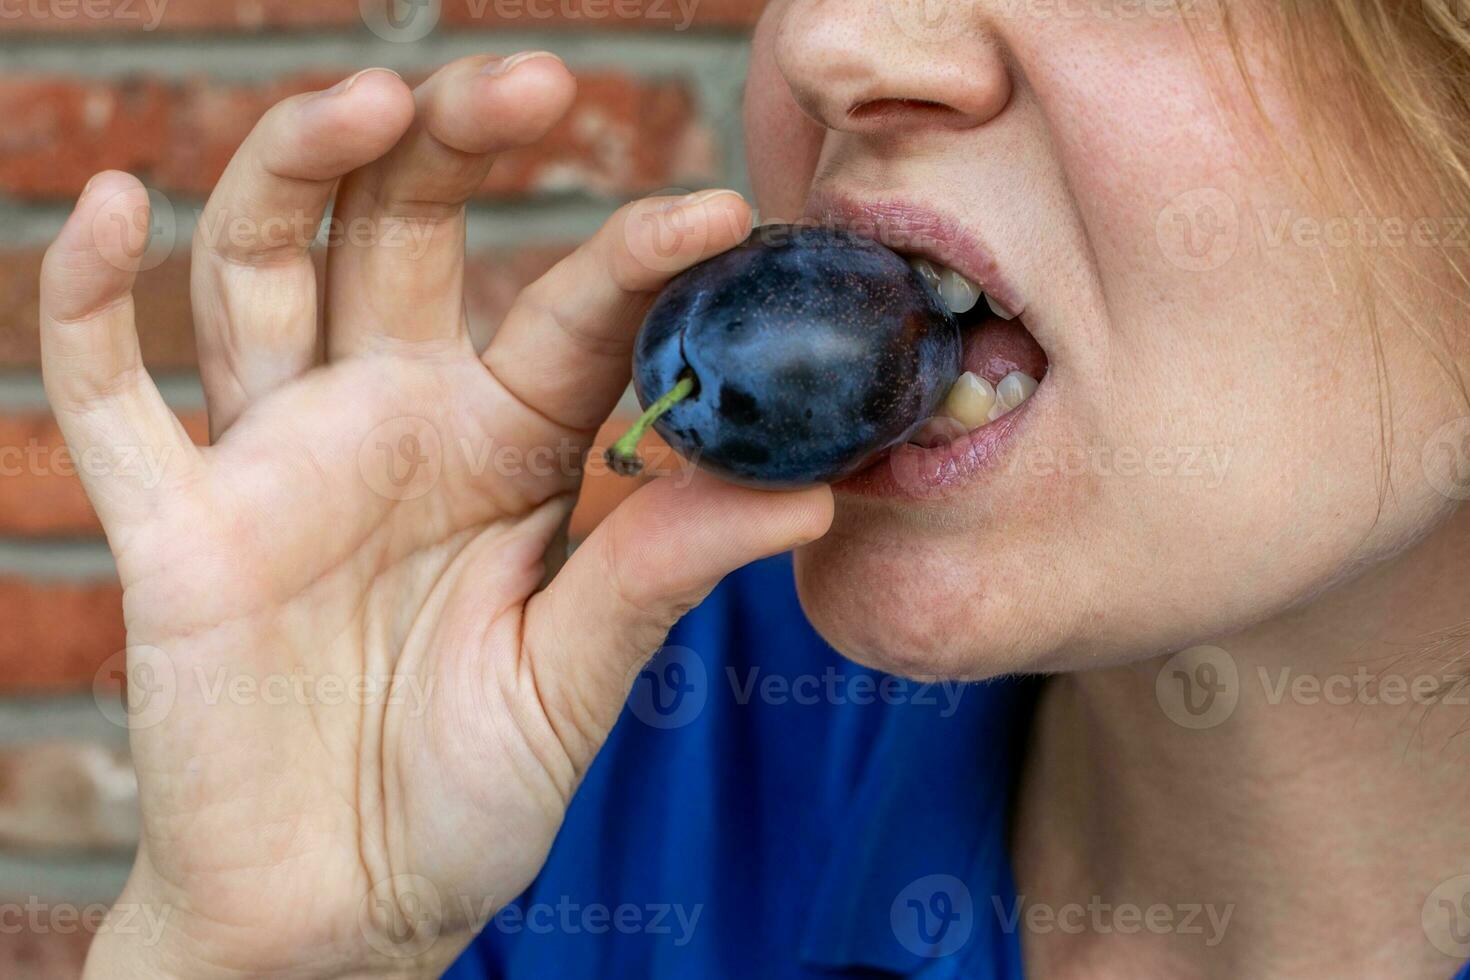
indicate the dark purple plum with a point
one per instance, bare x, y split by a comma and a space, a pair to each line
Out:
795, 358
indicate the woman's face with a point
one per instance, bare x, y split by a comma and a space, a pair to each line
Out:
1206, 446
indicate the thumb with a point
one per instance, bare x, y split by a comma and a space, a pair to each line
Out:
655, 558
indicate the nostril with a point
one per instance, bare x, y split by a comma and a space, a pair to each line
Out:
898, 110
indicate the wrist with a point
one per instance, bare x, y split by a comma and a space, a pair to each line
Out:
151, 932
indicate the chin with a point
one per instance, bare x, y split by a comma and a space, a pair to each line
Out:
901, 601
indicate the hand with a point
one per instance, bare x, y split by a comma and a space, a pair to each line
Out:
353, 523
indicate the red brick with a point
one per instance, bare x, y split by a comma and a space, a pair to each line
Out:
166, 325
43, 956
40, 494
57, 634
603, 491
59, 131
674, 16
67, 795
623, 136
135, 16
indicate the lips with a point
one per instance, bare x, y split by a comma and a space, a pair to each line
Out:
1004, 365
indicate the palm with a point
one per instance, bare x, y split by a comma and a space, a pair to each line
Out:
337, 555
365, 714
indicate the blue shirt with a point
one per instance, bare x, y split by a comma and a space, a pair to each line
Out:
765, 808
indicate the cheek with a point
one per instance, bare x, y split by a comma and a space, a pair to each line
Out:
782, 144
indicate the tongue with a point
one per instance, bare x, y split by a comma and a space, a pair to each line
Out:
998, 347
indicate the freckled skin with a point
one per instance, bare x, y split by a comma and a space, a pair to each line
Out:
814, 351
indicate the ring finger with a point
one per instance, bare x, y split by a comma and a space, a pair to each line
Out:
402, 280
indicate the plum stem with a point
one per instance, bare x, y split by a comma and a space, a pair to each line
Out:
622, 457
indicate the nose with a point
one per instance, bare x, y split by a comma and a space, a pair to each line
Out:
881, 66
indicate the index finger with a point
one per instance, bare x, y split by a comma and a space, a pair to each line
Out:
564, 348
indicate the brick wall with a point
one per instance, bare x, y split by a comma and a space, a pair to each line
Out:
165, 89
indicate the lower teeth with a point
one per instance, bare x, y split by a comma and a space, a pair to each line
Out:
971, 403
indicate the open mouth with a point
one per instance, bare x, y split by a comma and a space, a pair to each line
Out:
1003, 364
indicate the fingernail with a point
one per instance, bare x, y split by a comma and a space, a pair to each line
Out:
699, 197
503, 66
347, 83
87, 187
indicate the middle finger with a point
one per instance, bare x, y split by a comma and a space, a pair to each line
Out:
397, 271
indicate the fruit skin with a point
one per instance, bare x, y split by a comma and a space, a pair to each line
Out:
813, 351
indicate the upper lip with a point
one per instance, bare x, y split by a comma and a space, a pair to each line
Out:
915, 230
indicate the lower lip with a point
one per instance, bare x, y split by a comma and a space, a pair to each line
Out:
911, 472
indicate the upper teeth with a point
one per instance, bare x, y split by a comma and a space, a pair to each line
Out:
972, 401
959, 294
